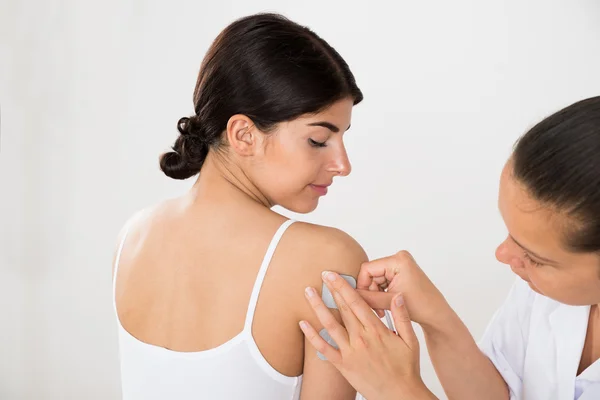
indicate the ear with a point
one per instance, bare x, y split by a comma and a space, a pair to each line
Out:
242, 135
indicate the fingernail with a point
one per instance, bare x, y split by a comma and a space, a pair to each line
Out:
303, 325
310, 292
399, 301
330, 276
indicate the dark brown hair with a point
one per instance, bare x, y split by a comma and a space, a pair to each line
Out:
263, 66
558, 160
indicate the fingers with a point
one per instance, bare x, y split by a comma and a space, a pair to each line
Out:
373, 286
369, 270
380, 271
377, 300
353, 306
321, 345
334, 328
350, 320
403, 324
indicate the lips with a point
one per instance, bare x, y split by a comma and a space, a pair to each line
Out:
528, 281
320, 189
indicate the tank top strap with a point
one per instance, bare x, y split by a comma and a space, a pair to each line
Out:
263, 271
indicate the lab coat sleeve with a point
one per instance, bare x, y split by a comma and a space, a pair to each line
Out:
505, 339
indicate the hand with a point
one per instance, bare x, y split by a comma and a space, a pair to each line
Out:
400, 273
379, 363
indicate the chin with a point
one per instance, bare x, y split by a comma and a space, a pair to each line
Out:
562, 298
535, 289
301, 207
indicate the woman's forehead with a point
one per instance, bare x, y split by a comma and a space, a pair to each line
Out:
535, 225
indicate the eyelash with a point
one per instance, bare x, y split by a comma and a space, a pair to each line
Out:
314, 143
535, 263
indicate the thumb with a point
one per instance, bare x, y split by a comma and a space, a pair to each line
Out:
402, 322
376, 300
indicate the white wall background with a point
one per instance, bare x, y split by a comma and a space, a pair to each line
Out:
90, 93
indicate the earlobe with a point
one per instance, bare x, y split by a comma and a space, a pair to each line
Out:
241, 135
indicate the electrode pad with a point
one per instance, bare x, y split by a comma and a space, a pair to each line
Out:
329, 340
328, 297
330, 303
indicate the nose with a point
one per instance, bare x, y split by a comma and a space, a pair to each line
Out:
341, 163
508, 253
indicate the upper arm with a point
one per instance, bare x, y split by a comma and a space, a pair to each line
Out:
335, 251
506, 336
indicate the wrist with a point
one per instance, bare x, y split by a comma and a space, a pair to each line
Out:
414, 390
447, 329
443, 319
418, 391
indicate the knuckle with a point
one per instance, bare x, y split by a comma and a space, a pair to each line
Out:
361, 342
321, 346
331, 325
404, 255
355, 302
336, 330
343, 307
338, 283
315, 302
404, 319
339, 300
321, 307
377, 334
364, 272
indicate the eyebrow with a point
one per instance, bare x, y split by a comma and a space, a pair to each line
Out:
327, 125
547, 260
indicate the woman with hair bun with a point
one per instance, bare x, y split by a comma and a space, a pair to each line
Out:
209, 286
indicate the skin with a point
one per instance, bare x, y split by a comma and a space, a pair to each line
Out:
363, 334
534, 249
284, 166
177, 255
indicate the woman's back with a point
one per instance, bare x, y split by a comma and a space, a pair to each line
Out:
189, 275
272, 103
185, 305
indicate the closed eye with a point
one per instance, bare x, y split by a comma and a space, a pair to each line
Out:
528, 258
314, 143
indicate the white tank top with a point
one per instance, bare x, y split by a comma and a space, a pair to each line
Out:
234, 370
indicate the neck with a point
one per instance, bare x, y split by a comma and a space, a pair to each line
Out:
223, 180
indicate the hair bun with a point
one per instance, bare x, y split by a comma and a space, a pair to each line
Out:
189, 151
184, 126
174, 166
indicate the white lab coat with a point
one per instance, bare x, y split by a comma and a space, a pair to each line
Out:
536, 344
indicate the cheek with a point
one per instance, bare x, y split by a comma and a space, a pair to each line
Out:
288, 163
297, 154
302, 166
286, 179
286, 173
544, 276
293, 177
538, 278
561, 286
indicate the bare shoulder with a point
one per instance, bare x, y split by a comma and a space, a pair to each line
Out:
327, 245
137, 223
310, 249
